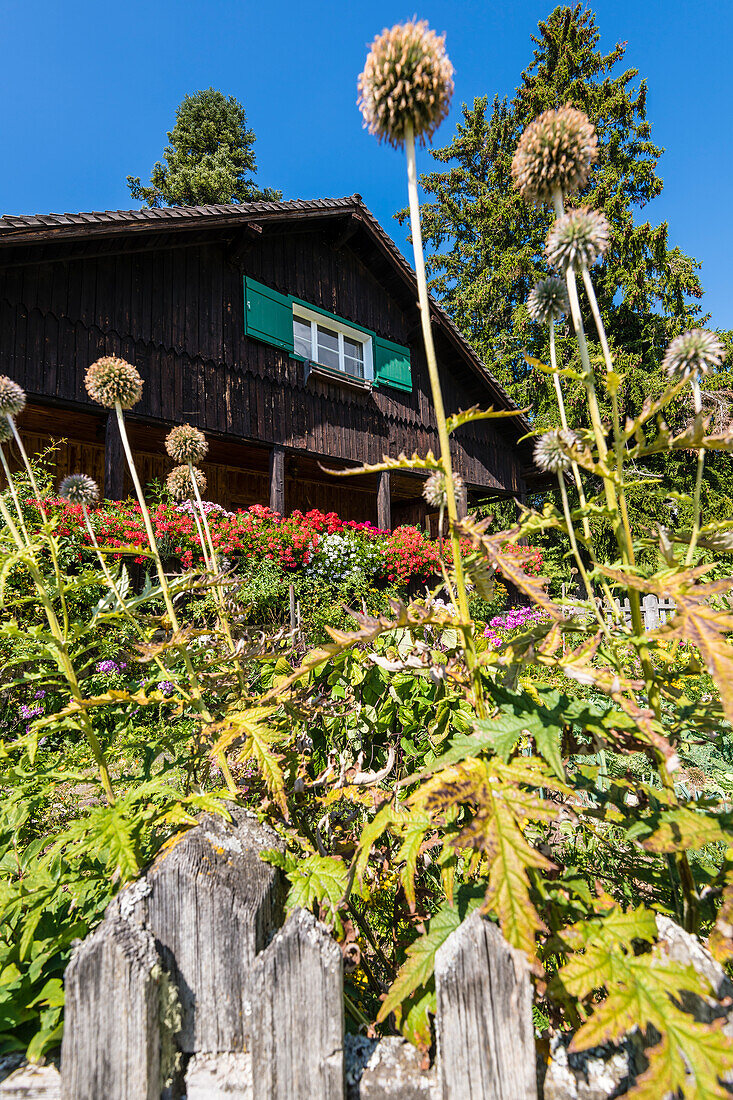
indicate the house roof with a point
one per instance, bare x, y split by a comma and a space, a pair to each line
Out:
47, 228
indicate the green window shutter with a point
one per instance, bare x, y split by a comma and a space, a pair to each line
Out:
392, 365
268, 315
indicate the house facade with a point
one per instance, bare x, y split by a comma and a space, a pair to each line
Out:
287, 331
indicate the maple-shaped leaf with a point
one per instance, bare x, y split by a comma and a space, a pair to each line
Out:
418, 967
413, 829
500, 805
258, 739
644, 989
706, 627
321, 879
685, 828
720, 940
493, 548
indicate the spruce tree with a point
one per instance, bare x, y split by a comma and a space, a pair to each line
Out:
486, 248
488, 245
210, 157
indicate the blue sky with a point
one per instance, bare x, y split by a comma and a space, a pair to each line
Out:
90, 89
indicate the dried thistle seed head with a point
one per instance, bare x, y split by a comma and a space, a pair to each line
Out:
6, 432
548, 300
186, 444
12, 397
110, 380
180, 485
435, 489
693, 353
577, 239
555, 152
550, 450
79, 489
407, 79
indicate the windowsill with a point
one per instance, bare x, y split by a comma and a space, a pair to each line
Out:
328, 374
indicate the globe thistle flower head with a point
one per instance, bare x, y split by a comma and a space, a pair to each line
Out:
407, 80
693, 354
435, 489
111, 380
550, 450
577, 239
6, 431
548, 300
180, 485
79, 489
12, 397
186, 444
555, 152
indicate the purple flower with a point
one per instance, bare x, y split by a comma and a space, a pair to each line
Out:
39, 695
107, 666
166, 687
30, 712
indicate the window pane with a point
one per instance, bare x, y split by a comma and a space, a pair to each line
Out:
354, 367
328, 348
353, 349
302, 337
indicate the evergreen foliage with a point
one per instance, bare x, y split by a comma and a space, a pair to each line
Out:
487, 249
210, 157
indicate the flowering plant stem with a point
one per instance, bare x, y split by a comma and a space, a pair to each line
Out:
197, 698
427, 331
622, 531
64, 661
695, 533
211, 565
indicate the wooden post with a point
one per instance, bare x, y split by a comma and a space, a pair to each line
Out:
485, 1037
277, 479
293, 613
384, 503
114, 460
211, 903
111, 1044
298, 1014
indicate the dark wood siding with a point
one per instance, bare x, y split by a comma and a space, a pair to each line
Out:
177, 313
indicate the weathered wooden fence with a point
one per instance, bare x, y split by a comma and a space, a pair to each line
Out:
654, 611
194, 986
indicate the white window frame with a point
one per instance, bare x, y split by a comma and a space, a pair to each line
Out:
343, 329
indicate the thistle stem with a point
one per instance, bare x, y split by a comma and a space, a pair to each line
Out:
437, 394
196, 693
564, 423
64, 660
213, 568
51, 540
14, 494
576, 553
696, 517
618, 443
626, 549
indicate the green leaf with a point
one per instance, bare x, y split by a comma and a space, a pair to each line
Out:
321, 879
417, 970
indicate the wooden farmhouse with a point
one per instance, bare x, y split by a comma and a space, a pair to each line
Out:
287, 331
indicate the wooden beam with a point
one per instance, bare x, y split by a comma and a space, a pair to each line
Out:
114, 460
353, 223
242, 243
384, 504
277, 479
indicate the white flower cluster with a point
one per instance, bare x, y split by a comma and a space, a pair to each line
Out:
339, 558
